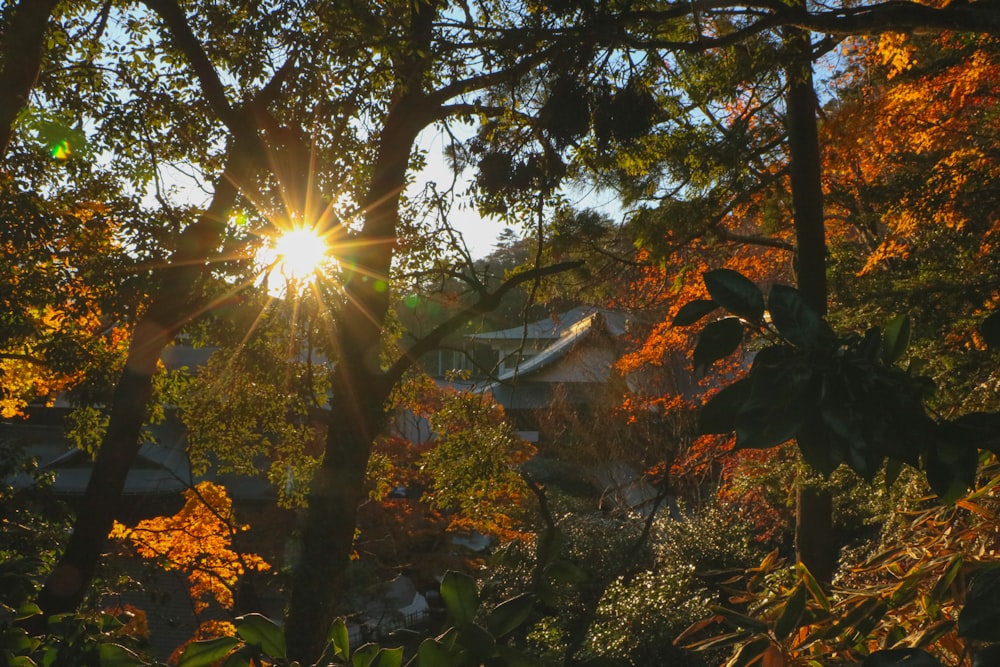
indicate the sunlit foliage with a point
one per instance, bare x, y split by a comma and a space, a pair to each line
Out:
197, 541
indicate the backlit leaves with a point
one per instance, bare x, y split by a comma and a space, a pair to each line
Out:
198, 542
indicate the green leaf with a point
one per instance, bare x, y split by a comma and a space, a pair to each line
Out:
365, 655
739, 620
990, 328
245, 656
980, 617
895, 339
390, 657
735, 293
207, 652
261, 631
477, 640
718, 415
901, 657
340, 638
717, 340
792, 614
458, 591
794, 319
432, 653
510, 614
750, 653
976, 429
114, 655
951, 469
693, 311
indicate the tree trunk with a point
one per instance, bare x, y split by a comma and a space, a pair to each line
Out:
360, 390
170, 309
814, 516
22, 48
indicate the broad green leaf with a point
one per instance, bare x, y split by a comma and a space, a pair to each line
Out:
980, 617
27, 610
115, 655
458, 591
245, 656
477, 640
794, 319
510, 614
819, 449
340, 638
207, 652
951, 469
365, 655
693, 311
717, 340
895, 339
976, 429
792, 613
390, 657
261, 631
901, 657
736, 293
432, 653
990, 328
718, 415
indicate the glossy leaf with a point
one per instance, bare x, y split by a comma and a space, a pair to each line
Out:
718, 339
115, 655
895, 339
794, 319
718, 414
980, 618
737, 294
390, 657
951, 469
510, 614
365, 656
792, 613
199, 654
432, 653
340, 638
458, 591
261, 631
693, 311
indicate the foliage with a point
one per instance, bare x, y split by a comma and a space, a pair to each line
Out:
469, 465
198, 542
474, 636
250, 410
842, 398
928, 588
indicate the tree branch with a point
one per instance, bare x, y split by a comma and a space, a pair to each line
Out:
485, 304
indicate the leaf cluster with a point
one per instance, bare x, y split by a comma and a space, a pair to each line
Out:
841, 397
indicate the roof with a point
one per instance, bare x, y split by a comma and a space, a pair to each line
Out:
554, 327
565, 333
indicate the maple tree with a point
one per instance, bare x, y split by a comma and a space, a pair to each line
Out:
197, 540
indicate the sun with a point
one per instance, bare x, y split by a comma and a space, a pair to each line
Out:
295, 258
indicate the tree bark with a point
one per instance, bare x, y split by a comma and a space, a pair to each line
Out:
814, 515
169, 310
22, 48
360, 390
